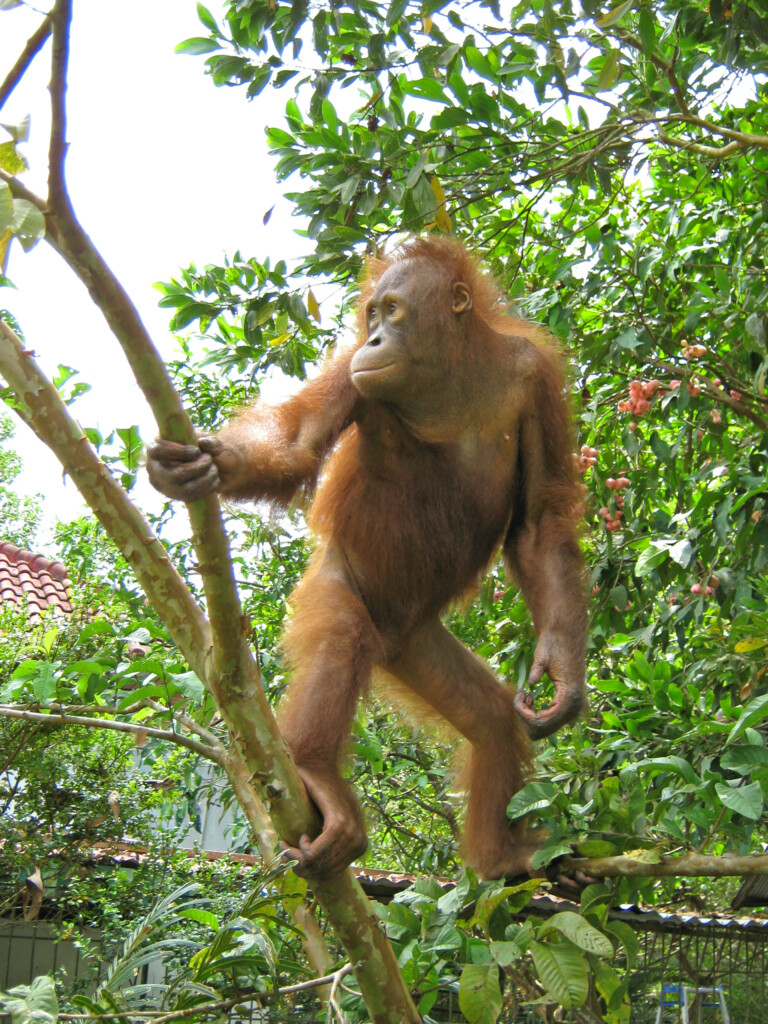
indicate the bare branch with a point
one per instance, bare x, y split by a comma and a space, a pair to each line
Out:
691, 865
61, 18
34, 45
716, 152
59, 718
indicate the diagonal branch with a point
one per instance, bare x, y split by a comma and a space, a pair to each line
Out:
34, 45
44, 409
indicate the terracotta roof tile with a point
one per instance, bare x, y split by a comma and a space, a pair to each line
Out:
32, 581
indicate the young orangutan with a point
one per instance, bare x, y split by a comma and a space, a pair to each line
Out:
442, 436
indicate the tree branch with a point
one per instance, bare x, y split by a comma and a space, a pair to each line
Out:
51, 421
61, 18
59, 718
716, 152
34, 45
688, 864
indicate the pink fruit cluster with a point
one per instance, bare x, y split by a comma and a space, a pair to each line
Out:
707, 589
693, 352
640, 396
619, 484
587, 458
613, 519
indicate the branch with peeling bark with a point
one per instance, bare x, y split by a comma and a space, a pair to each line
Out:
215, 648
691, 865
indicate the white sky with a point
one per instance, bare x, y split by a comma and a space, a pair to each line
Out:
163, 168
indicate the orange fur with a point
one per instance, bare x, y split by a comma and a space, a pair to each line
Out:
413, 503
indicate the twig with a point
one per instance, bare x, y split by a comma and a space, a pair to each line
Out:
34, 45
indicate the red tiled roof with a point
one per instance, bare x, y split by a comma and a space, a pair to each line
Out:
32, 580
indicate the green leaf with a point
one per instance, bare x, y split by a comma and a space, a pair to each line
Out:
489, 901
672, 763
480, 993
744, 758
133, 446
207, 18
563, 971
609, 73
646, 29
616, 14
203, 916
580, 932
549, 851
744, 800
395, 11
6, 208
505, 953
479, 63
32, 1004
28, 223
417, 170
627, 937
189, 684
11, 160
682, 553
756, 711
44, 682
660, 448
198, 45
596, 848
424, 198
426, 89
536, 796
650, 559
